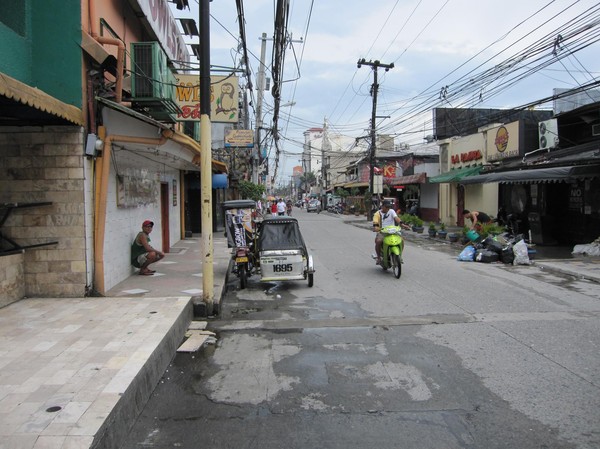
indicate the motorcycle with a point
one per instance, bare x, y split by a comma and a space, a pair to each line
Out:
391, 253
240, 229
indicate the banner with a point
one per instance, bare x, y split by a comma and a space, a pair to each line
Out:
238, 226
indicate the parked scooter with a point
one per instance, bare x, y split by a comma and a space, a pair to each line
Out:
391, 253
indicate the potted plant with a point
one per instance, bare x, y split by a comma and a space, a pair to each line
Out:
453, 237
417, 224
442, 232
432, 229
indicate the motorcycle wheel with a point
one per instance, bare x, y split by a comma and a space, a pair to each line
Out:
396, 265
243, 276
311, 279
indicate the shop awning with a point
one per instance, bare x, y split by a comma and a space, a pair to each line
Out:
180, 152
418, 178
26, 99
456, 175
537, 175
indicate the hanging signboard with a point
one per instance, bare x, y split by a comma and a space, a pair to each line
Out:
224, 98
239, 138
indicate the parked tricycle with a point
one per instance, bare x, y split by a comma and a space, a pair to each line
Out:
281, 252
272, 248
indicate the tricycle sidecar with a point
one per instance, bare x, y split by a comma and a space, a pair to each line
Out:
281, 251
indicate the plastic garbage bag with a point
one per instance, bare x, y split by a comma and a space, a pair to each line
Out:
521, 253
590, 249
467, 254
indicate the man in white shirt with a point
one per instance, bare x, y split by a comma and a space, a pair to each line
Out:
386, 216
281, 206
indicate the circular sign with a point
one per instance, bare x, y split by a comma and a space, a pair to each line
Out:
501, 139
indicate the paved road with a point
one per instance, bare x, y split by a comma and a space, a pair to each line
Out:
452, 355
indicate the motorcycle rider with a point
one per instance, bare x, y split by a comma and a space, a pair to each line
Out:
386, 216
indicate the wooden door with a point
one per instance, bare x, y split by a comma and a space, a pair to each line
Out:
164, 216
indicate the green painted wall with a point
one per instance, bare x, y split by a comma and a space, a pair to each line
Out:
40, 46
15, 39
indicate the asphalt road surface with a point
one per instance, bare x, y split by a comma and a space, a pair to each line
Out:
451, 355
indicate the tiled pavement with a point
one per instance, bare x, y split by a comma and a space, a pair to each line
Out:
74, 373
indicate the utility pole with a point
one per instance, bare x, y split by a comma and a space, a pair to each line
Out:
325, 149
205, 159
260, 81
374, 65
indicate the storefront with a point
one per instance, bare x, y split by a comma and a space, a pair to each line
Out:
558, 205
461, 158
140, 176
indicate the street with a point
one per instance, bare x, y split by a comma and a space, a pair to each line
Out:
451, 355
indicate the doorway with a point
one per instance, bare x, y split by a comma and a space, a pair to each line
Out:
164, 216
460, 204
193, 202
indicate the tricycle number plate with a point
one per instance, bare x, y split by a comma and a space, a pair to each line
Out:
282, 267
241, 259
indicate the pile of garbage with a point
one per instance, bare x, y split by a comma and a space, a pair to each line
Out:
589, 249
497, 249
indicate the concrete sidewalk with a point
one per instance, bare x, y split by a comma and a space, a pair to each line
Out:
551, 258
75, 373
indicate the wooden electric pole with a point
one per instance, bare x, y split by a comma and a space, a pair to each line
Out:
374, 65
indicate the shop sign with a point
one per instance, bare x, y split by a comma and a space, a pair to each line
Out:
161, 20
389, 171
224, 95
576, 197
467, 156
506, 142
239, 138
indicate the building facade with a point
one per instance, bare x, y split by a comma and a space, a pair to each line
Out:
85, 156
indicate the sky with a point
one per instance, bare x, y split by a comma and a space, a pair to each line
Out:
446, 53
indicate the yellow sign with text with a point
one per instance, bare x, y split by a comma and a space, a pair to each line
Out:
224, 95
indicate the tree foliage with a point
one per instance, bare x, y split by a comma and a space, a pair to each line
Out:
342, 193
251, 191
308, 178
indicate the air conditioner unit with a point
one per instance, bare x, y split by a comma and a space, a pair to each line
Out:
595, 130
548, 134
152, 81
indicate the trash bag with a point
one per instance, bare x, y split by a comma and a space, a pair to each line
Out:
590, 249
486, 256
492, 244
521, 253
507, 256
467, 254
